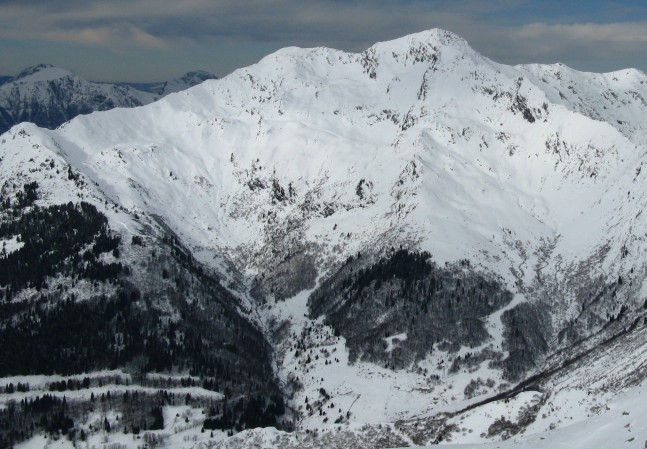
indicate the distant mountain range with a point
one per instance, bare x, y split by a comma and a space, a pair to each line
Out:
176, 84
49, 96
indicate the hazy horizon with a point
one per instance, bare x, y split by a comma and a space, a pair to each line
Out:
153, 40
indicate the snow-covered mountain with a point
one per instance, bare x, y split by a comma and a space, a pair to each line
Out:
425, 237
49, 96
177, 84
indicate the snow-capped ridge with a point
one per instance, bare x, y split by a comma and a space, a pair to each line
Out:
33, 69
434, 37
41, 72
180, 83
423, 47
190, 77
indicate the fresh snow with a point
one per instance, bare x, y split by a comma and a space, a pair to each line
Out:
10, 245
621, 424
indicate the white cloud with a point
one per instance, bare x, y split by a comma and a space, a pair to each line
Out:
585, 46
618, 33
117, 38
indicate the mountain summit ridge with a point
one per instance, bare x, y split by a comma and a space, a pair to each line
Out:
50, 71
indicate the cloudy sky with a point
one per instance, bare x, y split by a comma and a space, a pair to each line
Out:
152, 40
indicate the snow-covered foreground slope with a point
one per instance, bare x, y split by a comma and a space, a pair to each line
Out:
622, 425
598, 401
414, 228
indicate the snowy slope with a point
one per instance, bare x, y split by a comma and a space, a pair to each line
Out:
620, 425
448, 150
288, 167
316, 117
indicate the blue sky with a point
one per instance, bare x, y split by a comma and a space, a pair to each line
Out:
151, 40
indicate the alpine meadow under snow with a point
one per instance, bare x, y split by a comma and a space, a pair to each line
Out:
406, 246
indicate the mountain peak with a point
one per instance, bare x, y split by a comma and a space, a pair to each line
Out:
434, 48
434, 37
33, 69
194, 75
181, 82
42, 72
429, 46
